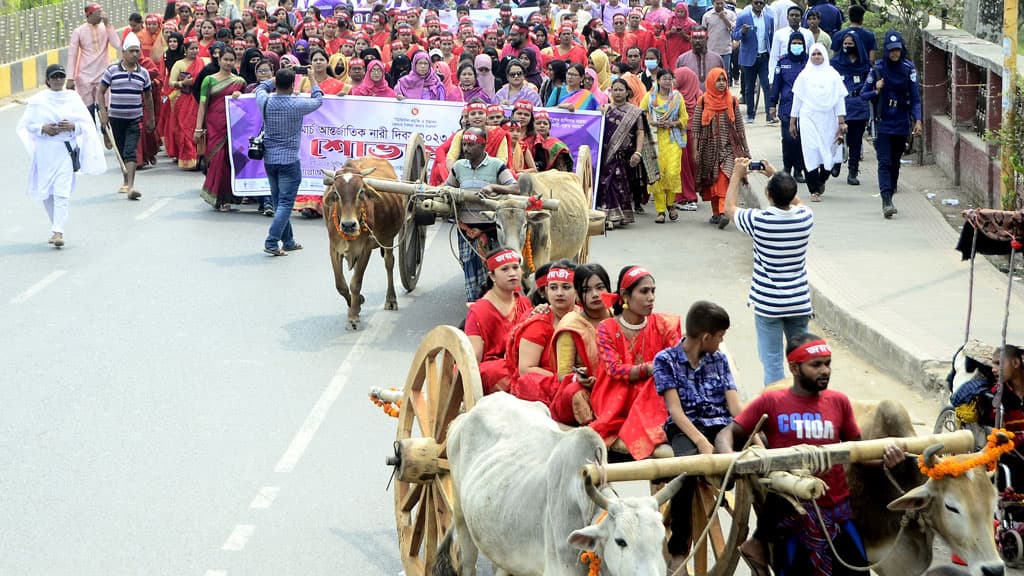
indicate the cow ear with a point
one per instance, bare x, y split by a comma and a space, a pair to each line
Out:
489, 214
536, 216
916, 499
367, 172
585, 538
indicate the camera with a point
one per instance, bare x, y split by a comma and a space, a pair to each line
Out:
256, 147
301, 69
755, 165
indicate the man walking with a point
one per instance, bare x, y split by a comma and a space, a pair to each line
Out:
719, 23
131, 94
780, 44
755, 30
88, 56
779, 292
282, 126
698, 58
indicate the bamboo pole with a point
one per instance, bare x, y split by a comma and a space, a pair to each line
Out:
775, 459
1007, 184
458, 194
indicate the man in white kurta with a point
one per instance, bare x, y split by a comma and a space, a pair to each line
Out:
56, 122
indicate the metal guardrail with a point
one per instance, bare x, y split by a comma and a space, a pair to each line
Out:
30, 32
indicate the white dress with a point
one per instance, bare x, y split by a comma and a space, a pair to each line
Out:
819, 98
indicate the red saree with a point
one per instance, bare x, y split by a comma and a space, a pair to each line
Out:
584, 338
632, 411
485, 321
149, 142
532, 386
217, 186
185, 111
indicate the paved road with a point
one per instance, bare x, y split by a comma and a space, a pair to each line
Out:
176, 402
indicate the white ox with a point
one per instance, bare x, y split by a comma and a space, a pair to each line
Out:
958, 509
520, 498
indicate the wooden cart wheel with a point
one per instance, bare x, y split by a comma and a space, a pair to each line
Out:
413, 237
444, 380
585, 172
722, 546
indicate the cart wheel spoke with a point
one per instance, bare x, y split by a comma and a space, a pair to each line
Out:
411, 498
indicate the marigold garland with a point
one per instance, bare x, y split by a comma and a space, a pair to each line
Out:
994, 448
591, 558
528, 252
392, 409
337, 224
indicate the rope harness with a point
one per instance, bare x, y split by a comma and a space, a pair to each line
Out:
364, 220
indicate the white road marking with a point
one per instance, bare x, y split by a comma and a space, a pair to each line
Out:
238, 538
216, 573
152, 209
32, 290
265, 497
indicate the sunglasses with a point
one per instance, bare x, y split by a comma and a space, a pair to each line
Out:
515, 74
58, 75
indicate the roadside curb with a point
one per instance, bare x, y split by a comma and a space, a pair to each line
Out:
28, 74
901, 359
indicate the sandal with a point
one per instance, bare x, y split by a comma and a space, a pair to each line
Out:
124, 189
293, 247
275, 251
660, 219
815, 197
672, 214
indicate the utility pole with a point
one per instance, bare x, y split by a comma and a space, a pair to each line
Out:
1007, 183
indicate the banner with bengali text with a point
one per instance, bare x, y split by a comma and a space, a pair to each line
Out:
354, 127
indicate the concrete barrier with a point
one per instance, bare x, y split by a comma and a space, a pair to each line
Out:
29, 74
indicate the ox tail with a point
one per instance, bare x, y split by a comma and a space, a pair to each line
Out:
443, 566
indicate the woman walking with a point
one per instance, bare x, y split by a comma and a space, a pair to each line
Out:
666, 114
212, 121
689, 86
818, 115
623, 140
851, 62
780, 102
721, 139
183, 107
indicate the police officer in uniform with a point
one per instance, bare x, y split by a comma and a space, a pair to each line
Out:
780, 101
892, 85
851, 61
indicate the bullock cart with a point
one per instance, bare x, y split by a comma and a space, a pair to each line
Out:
426, 203
444, 381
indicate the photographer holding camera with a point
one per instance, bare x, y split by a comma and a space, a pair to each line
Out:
779, 293
282, 126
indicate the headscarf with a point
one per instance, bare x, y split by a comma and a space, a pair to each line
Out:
486, 81
400, 66
532, 72
716, 102
302, 56
819, 87
807, 51
249, 70
603, 69
369, 87
842, 64
371, 51
412, 85
210, 69
599, 95
274, 59
689, 86
172, 56
452, 92
291, 58
332, 65
469, 93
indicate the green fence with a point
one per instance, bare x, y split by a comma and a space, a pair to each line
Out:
30, 32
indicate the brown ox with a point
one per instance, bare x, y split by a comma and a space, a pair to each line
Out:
360, 219
959, 509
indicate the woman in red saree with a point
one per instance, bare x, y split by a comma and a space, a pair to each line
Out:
491, 318
149, 142
212, 120
184, 107
549, 153
530, 356
625, 402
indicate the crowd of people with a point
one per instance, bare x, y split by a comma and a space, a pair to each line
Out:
660, 75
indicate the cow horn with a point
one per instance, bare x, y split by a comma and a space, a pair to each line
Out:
328, 177
669, 490
367, 172
930, 452
600, 499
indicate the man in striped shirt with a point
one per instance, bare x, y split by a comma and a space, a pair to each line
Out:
779, 292
130, 92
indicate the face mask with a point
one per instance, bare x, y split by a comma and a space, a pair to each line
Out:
651, 64
850, 49
615, 77
796, 49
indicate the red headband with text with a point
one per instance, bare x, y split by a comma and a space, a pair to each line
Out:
501, 258
808, 351
561, 275
632, 276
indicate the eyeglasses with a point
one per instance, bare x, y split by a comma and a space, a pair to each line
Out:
514, 74
58, 75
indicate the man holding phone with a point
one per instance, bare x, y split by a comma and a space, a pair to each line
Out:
779, 292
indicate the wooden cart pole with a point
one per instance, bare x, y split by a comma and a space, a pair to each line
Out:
774, 459
459, 194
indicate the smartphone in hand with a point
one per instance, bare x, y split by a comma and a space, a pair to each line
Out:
755, 165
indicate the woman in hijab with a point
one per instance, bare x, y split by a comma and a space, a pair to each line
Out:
337, 66
421, 83
529, 59
599, 63
247, 67
175, 53
484, 75
819, 116
301, 51
273, 58
371, 53
590, 83
469, 84
400, 66
444, 73
374, 84
851, 62
780, 102
689, 86
720, 140
290, 61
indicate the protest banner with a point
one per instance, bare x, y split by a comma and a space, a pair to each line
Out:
481, 18
354, 126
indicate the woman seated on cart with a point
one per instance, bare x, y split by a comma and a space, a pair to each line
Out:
626, 405
491, 318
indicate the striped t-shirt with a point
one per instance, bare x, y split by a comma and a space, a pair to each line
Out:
779, 283
126, 88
